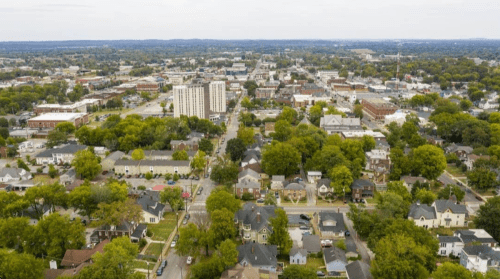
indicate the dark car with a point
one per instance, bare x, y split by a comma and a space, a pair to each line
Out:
304, 227
347, 233
176, 237
159, 272
305, 217
163, 264
276, 194
305, 223
260, 201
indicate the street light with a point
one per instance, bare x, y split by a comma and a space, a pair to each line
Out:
148, 270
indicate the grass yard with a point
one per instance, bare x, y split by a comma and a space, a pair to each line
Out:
141, 265
162, 230
453, 170
316, 263
44, 179
154, 249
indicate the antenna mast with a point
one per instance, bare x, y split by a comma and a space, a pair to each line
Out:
397, 75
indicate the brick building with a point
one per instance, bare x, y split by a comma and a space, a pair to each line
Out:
148, 87
378, 108
310, 88
50, 120
264, 93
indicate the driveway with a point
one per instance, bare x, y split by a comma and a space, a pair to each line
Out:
296, 235
311, 194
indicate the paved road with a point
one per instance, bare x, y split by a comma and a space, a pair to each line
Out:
175, 262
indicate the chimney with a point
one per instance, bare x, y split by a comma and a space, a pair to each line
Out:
253, 249
258, 217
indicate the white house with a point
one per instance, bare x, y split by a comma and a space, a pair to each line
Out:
298, 256
313, 176
277, 182
444, 213
480, 258
450, 245
14, 174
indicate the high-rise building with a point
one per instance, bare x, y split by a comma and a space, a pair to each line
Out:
200, 99
217, 92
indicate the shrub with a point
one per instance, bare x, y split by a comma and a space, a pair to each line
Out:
142, 243
247, 197
149, 233
341, 244
39, 170
142, 187
149, 175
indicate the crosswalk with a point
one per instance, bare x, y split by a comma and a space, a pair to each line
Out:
197, 207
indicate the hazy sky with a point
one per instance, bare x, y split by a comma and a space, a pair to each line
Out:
36, 20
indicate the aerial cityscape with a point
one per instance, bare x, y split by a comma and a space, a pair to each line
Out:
221, 144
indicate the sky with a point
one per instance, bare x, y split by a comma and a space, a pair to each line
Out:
44, 20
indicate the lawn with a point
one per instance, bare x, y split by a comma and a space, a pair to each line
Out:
154, 249
162, 230
141, 264
316, 263
44, 179
453, 170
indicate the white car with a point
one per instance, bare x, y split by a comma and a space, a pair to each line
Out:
173, 244
189, 260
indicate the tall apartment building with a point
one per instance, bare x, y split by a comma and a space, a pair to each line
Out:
200, 99
217, 92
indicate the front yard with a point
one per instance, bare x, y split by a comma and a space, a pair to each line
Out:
162, 230
154, 249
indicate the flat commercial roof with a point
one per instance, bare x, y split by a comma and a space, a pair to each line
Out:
57, 117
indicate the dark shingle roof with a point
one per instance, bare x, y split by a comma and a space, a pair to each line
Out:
358, 270
295, 250
117, 155
150, 202
448, 239
422, 210
258, 254
249, 172
443, 205
311, 243
333, 254
248, 215
333, 216
361, 183
324, 181
67, 149
295, 186
139, 230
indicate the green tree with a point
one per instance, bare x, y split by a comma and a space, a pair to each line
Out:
228, 253
21, 164
11, 204
449, 270
225, 171
280, 236
14, 232
392, 205
4, 122
488, 217
465, 104
236, 149
206, 145
180, 155
81, 199
65, 127
218, 200
399, 257
86, 164
54, 234
363, 220
495, 134
288, 114
172, 196
270, 199
199, 162
189, 243
55, 137
425, 196
246, 135
280, 159
453, 190
115, 263
20, 266
222, 227
295, 271
325, 159
283, 130
358, 111
53, 172
482, 178
342, 179
368, 143
429, 161
138, 154
114, 214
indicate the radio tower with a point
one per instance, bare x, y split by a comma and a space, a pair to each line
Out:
397, 75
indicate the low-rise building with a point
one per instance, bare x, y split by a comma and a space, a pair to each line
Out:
409, 181
253, 222
444, 213
248, 186
108, 163
14, 174
50, 120
190, 144
152, 208
131, 167
298, 256
247, 272
331, 224
450, 245
362, 188
62, 155
378, 108
480, 258
294, 191
258, 255
358, 270
323, 187
313, 176
277, 182
377, 158
335, 124
335, 260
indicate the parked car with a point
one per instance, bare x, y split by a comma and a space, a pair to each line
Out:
305, 223
347, 233
171, 182
159, 272
305, 217
260, 201
189, 260
163, 264
176, 237
320, 274
173, 243
304, 227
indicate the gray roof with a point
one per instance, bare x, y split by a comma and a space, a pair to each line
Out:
351, 245
252, 152
412, 179
248, 215
139, 230
250, 157
295, 186
482, 250
331, 215
279, 178
323, 181
443, 205
115, 156
150, 202
248, 184
258, 254
333, 253
361, 183
70, 173
311, 243
67, 149
249, 172
295, 250
294, 219
165, 163
448, 239
422, 210
358, 270
13, 172
126, 163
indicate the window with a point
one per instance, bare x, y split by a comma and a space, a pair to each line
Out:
152, 220
443, 252
443, 244
151, 169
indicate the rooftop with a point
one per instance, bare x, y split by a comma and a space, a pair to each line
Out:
58, 117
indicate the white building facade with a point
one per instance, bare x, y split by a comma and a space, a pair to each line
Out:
217, 96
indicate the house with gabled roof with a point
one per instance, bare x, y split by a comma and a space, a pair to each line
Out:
423, 215
336, 124
258, 255
277, 182
74, 257
253, 222
298, 256
450, 214
108, 163
450, 245
323, 187
480, 258
250, 175
61, 155
331, 224
473, 236
249, 159
14, 174
152, 209
335, 260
